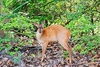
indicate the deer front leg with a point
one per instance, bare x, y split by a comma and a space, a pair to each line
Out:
44, 46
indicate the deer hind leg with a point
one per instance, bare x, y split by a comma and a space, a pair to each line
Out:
44, 46
68, 48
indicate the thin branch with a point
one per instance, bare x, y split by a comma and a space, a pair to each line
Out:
19, 7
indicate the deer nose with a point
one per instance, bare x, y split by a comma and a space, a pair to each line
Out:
40, 30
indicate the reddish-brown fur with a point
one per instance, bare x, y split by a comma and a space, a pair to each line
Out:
54, 33
51, 32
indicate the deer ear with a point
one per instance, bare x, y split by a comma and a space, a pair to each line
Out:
36, 24
43, 23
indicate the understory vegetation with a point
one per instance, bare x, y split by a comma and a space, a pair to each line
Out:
81, 17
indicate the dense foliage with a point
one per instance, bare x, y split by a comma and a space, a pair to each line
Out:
80, 16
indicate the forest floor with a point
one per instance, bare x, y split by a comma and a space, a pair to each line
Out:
54, 57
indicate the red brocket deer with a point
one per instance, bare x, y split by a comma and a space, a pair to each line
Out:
53, 33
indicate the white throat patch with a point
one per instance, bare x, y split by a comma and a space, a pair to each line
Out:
38, 36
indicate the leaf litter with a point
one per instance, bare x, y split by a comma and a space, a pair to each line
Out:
54, 57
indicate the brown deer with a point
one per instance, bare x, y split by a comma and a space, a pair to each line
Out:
53, 33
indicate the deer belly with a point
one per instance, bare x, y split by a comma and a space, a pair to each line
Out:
53, 39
